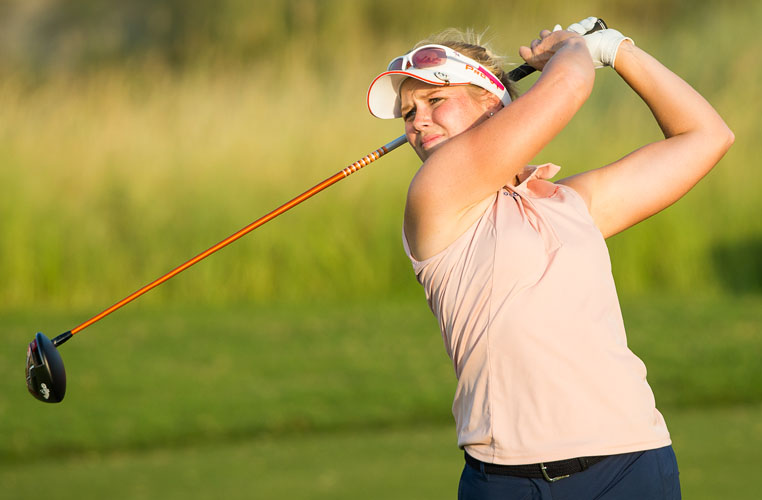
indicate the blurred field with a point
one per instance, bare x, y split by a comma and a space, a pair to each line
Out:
114, 175
313, 402
412, 462
301, 362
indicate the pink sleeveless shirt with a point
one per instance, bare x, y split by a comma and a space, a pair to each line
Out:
530, 317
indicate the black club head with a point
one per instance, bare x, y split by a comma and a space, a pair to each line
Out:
45, 374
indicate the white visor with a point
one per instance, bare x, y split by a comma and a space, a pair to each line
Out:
383, 94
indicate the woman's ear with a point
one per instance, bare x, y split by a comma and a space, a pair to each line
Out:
489, 101
492, 103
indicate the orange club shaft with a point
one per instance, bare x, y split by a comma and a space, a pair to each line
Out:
354, 167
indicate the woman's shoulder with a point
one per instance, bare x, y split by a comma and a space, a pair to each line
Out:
424, 246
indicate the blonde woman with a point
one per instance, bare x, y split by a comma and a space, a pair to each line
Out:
550, 402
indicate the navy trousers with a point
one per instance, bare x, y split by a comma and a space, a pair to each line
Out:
645, 475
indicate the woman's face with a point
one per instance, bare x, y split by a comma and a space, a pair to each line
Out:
435, 114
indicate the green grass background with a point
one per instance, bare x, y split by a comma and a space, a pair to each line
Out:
316, 401
302, 362
117, 173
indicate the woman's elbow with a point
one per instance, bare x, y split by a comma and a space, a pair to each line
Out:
726, 138
730, 138
717, 136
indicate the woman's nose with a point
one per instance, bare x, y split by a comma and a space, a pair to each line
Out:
422, 119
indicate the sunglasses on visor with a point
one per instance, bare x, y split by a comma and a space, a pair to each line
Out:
435, 56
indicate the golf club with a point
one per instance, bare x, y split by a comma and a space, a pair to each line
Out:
45, 374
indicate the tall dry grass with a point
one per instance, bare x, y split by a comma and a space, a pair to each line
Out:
113, 177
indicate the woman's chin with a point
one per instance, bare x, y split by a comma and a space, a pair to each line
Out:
429, 149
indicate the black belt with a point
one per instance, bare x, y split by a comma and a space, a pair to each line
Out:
550, 471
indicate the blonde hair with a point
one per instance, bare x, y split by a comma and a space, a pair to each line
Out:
471, 44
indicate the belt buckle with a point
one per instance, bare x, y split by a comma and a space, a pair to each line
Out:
548, 478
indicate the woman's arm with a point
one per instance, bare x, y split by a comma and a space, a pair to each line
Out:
653, 177
449, 191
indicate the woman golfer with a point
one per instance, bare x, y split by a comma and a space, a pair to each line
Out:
550, 402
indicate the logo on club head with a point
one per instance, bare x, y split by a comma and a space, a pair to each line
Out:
45, 391
442, 76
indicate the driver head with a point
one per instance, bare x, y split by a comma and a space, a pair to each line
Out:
45, 374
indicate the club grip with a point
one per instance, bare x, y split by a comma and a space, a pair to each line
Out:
526, 70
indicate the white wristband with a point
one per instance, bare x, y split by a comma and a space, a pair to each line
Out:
603, 46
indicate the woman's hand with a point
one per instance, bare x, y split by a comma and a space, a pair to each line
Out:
542, 49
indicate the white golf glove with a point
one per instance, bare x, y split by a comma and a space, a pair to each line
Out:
603, 45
